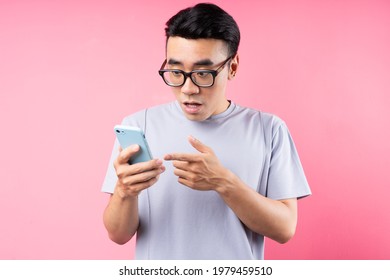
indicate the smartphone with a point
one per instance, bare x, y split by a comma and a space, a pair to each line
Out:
129, 135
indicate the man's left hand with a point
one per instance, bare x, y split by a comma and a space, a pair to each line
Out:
201, 171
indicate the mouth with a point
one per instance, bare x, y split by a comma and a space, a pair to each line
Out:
192, 107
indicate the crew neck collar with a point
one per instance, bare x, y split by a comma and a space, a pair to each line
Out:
223, 114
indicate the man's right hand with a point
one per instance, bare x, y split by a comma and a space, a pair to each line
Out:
134, 178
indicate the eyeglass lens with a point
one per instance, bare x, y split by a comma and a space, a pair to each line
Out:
177, 78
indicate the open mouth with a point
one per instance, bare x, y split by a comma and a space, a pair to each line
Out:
192, 107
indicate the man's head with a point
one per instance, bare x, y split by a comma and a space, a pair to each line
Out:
205, 21
201, 56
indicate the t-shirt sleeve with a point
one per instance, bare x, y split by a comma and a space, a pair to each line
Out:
286, 175
111, 178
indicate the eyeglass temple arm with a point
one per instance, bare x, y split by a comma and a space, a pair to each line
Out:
163, 64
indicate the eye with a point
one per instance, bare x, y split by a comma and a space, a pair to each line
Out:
202, 74
176, 73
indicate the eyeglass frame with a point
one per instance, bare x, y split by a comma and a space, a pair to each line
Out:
214, 73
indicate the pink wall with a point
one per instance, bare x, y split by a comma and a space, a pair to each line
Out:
70, 70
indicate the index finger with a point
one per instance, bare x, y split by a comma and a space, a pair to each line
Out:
181, 157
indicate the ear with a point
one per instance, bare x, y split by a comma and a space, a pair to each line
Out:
233, 67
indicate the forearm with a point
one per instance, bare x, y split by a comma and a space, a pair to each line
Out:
121, 217
274, 219
203, 171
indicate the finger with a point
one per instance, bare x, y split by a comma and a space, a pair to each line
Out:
182, 173
187, 183
183, 165
125, 170
182, 157
137, 188
145, 166
199, 146
142, 177
127, 153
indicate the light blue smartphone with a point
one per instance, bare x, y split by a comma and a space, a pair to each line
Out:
129, 135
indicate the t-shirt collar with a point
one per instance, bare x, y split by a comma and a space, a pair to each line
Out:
223, 114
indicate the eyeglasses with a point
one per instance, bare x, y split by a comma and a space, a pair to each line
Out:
201, 78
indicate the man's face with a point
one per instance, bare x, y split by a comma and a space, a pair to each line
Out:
199, 103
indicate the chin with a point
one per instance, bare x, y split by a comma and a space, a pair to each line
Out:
196, 118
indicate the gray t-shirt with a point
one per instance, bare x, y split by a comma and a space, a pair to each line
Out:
177, 222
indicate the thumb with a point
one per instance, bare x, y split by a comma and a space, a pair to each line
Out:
127, 153
199, 146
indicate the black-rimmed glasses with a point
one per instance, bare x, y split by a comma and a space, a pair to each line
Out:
201, 78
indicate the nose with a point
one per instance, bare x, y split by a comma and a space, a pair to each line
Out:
189, 87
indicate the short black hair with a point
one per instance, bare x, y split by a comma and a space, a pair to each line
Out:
205, 21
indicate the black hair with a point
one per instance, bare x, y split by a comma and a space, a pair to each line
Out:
205, 21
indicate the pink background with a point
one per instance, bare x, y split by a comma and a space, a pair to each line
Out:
70, 70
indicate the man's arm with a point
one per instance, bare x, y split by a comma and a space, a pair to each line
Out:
121, 214
121, 217
276, 219
272, 218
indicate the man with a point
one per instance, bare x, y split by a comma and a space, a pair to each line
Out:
231, 174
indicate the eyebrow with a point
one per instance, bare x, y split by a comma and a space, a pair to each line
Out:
202, 62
